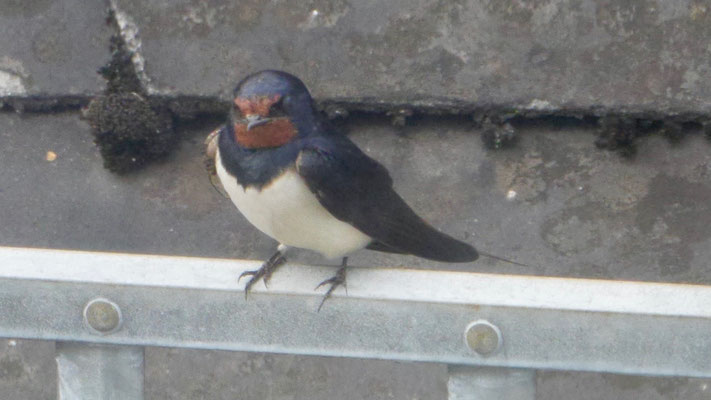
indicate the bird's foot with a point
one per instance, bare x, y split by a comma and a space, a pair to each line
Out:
264, 272
335, 281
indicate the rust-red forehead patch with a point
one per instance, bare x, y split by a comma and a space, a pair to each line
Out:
272, 134
258, 105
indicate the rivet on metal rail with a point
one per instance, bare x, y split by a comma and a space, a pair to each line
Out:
102, 316
483, 337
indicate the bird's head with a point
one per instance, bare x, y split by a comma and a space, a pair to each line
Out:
270, 108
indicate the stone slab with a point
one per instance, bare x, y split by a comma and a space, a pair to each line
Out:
52, 47
28, 372
553, 201
544, 55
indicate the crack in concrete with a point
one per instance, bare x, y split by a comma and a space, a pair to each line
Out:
130, 34
618, 127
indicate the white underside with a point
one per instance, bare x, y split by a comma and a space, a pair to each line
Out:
287, 211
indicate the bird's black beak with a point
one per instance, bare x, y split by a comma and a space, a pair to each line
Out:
256, 120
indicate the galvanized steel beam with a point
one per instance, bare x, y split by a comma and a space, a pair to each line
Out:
398, 314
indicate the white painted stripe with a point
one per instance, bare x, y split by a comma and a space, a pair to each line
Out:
371, 283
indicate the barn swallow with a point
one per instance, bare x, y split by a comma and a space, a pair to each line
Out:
306, 186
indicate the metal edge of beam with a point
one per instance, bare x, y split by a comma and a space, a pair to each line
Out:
397, 314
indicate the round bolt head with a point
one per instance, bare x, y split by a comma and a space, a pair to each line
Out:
483, 337
102, 316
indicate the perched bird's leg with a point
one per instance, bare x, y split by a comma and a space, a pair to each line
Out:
266, 270
282, 249
335, 281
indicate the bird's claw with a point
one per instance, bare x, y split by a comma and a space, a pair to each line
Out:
264, 272
247, 273
255, 274
335, 281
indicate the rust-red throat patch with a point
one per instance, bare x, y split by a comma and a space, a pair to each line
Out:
274, 133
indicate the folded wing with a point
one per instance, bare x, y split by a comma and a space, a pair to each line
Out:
358, 190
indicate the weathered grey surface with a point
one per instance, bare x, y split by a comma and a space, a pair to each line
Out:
588, 386
538, 55
52, 47
27, 370
577, 211
195, 374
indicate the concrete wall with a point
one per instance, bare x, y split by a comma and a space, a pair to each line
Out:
552, 200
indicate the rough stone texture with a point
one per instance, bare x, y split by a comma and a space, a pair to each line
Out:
548, 54
576, 211
591, 386
27, 370
193, 374
49, 48
553, 201
573, 211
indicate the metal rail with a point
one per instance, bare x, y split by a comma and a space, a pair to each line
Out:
462, 319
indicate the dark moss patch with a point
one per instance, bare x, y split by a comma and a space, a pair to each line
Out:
673, 131
130, 128
119, 72
497, 134
399, 117
618, 133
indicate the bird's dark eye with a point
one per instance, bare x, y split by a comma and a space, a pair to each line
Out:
277, 109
